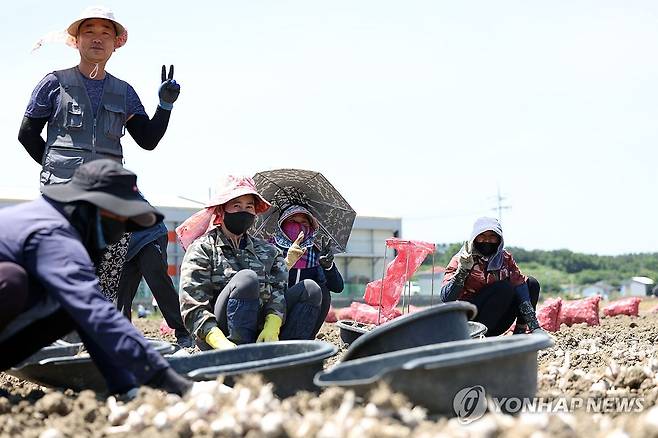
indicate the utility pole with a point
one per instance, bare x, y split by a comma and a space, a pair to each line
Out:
499, 205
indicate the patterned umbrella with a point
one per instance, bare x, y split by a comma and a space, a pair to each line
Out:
284, 187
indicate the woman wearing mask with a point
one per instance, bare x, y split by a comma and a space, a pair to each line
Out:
485, 274
307, 259
234, 286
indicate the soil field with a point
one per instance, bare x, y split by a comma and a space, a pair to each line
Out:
614, 361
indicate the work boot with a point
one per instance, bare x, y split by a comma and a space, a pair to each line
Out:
529, 316
242, 320
184, 339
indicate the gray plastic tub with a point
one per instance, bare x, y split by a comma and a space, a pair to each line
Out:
436, 324
477, 329
289, 365
432, 375
60, 367
350, 330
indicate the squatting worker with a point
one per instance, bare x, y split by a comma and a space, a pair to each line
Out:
48, 283
87, 111
234, 287
308, 258
485, 274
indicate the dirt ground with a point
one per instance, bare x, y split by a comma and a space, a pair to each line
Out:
616, 359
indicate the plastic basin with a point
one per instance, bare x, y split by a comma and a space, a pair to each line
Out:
350, 330
289, 365
436, 324
432, 375
60, 367
477, 329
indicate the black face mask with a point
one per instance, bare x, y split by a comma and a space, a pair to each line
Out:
112, 229
94, 232
485, 248
239, 222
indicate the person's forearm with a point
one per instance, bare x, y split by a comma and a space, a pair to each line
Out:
148, 133
334, 279
29, 136
451, 290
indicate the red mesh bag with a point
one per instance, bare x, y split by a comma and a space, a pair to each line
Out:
344, 313
627, 306
165, 329
411, 254
331, 315
548, 314
577, 311
362, 312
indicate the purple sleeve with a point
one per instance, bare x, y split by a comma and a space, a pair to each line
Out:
44, 98
59, 261
133, 104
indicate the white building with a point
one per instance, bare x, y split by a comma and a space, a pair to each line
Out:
637, 286
430, 284
599, 288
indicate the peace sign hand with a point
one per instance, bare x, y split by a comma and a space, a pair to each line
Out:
326, 259
295, 252
169, 89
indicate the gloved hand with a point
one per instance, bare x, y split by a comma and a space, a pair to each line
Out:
270, 329
326, 259
466, 261
295, 252
216, 339
169, 89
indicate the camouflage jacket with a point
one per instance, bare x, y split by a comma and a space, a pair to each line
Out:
209, 264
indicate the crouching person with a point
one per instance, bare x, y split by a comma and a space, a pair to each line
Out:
48, 282
234, 286
307, 258
485, 274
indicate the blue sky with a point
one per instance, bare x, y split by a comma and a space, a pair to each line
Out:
417, 109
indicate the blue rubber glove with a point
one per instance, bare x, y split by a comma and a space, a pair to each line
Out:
169, 89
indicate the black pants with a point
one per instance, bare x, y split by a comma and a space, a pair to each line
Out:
324, 309
151, 263
497, 305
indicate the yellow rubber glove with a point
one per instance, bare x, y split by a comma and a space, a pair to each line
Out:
216, 339
270, 329
295, 252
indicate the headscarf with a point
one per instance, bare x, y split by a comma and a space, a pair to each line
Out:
489, 224
287, 233
212, 215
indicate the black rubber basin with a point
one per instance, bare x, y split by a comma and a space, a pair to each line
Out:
477, 329
289, 365
441, 323
432, 375
350, 330
59, 367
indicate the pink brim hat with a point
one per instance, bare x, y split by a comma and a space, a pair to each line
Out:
234, 187
212, 215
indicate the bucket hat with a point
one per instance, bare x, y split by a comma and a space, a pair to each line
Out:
212, 215
103, 13
232, 187
108, 185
